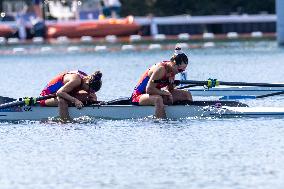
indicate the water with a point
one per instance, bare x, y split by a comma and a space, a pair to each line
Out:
146, 153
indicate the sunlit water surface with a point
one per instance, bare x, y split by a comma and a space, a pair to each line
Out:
146, 153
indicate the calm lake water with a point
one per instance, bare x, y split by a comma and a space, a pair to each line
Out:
146, 153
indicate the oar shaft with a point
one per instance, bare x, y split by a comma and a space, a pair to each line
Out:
232, 83
187, 86
23, 102
201, 83
251, 84
4, 100
271, 94
177, 82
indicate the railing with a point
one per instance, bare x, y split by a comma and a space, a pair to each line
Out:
187, 19
153, 22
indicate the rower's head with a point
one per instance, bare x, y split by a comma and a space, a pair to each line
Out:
179, 59
95, 81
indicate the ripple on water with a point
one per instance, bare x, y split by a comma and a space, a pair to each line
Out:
144, 153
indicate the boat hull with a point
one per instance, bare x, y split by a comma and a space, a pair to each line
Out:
108, 112
6, 31
135, 112
101, 28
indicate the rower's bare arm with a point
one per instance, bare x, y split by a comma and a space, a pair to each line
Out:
151, 88
172, 86
73, 81
93, 97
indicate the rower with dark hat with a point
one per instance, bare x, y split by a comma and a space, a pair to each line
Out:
147, 92
72, 88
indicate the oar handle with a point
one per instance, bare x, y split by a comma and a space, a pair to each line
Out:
176, 82
209, 83
26, 101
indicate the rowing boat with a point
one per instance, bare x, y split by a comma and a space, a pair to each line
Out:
6, 30
28, 108
94, 28
236, 92
122, 109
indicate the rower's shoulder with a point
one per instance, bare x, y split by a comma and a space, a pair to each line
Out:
72, 77
159, 68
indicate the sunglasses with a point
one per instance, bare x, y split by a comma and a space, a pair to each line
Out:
181, 70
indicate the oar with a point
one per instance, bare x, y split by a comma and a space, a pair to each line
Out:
187, 86
213, 83
271, 94
26, 101
251, 97
4, 99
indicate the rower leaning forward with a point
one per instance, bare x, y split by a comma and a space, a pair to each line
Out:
147, 92
72, 88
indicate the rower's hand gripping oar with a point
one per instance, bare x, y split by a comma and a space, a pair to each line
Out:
26, 101
214, 82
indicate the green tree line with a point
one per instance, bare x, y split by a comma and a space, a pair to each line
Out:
196, 7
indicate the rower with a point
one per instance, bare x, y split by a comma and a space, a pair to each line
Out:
147, 92
73, 87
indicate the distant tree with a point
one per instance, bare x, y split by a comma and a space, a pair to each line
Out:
194, 7
134, 7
